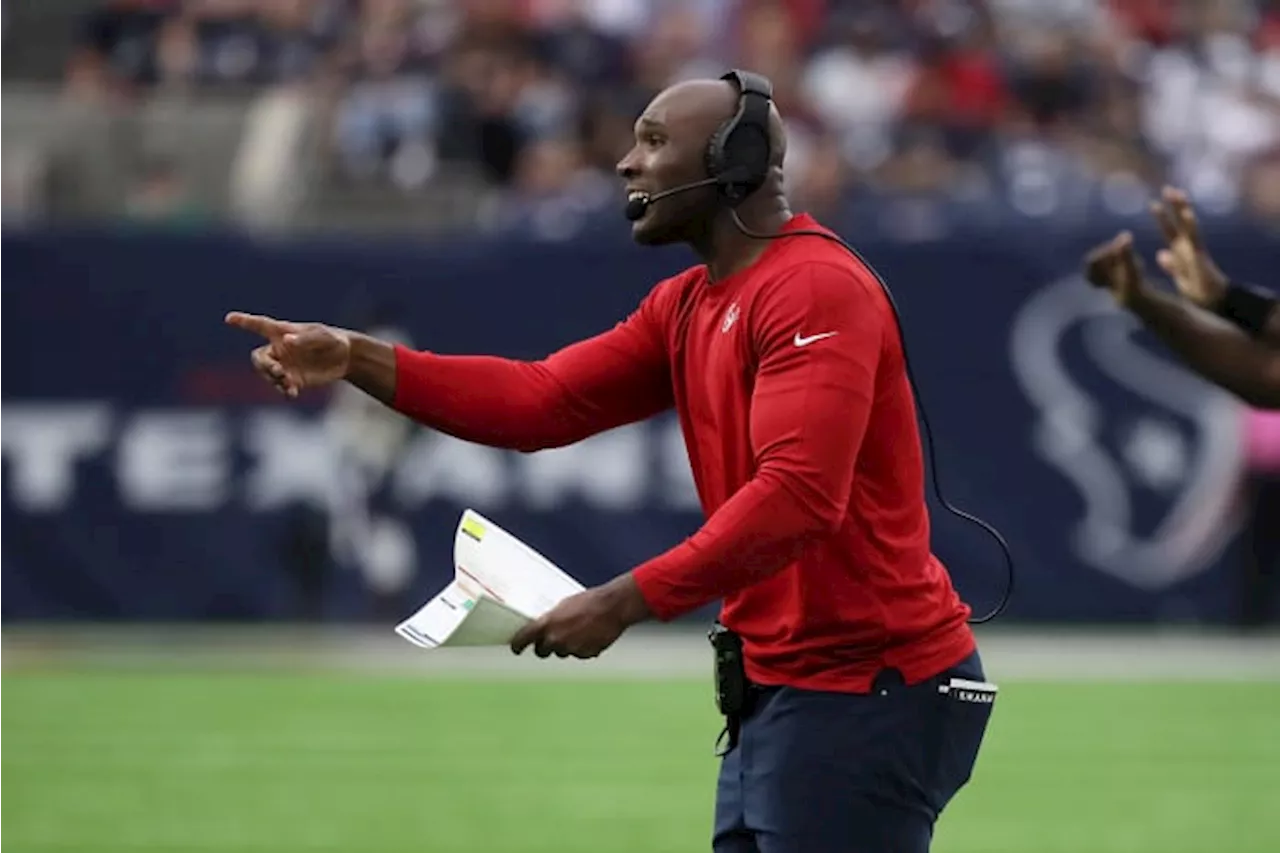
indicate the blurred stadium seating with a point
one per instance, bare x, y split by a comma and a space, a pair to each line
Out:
426, 114
441, 171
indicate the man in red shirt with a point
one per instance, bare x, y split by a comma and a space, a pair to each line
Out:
863, 703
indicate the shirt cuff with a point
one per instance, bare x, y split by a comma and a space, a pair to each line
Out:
651, 579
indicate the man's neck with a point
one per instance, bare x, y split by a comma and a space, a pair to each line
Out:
728, 251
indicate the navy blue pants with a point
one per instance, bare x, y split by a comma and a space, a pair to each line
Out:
851, 773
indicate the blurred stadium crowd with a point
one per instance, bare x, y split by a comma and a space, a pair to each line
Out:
522, 107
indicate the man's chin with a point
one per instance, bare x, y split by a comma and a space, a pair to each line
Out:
644, 234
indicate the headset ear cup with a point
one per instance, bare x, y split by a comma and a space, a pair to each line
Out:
715, 155
738, 152
745, 160
752, 150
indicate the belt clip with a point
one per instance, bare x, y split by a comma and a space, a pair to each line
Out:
728, 738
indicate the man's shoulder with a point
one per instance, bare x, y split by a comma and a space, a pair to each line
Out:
815, 266
807, 250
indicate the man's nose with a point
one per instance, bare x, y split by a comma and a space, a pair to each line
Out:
627, 168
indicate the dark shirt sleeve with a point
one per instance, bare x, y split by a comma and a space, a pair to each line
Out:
818, 337
617, 377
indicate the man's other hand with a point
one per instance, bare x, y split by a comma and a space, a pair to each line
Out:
296, 355
1197, 277
1116, 267
584, 625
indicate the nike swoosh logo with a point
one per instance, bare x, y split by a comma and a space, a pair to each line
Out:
804, 342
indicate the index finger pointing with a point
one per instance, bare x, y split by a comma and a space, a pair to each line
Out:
259, 324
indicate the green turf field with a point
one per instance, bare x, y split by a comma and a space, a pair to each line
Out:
106, 762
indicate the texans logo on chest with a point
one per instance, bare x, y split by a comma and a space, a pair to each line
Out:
730, 317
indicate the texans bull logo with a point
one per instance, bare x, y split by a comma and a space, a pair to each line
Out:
1153, 451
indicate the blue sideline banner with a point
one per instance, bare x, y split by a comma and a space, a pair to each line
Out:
149, 476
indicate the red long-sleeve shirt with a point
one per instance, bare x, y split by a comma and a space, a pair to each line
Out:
789, 381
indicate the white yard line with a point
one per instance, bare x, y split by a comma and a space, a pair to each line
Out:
1127, 655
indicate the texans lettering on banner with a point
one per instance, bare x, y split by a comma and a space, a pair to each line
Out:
201, 460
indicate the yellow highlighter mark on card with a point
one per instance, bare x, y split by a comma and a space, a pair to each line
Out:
473, 528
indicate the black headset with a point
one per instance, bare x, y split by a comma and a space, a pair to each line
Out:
738, 152
737, 162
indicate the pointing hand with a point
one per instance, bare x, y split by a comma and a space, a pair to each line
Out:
296, 355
